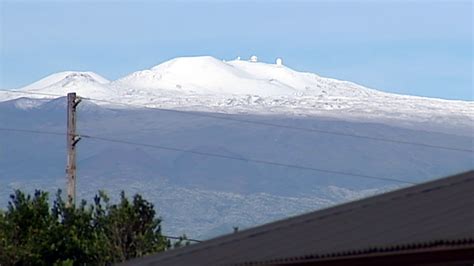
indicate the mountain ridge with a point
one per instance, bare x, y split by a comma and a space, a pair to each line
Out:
203, 195
207, 84
209, 65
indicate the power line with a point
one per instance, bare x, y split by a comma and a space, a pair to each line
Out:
215, 155
63, 134
32, 131
233, 157
204, 153
33, 93
268, 124
182, 238
227, 117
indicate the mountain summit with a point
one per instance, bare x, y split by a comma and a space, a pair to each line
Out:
87, 84
203, 75
208, 75
204, 83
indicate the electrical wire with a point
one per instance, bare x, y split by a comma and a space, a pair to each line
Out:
215, 155
32, 93
184, 239
257, 161
223, 116
226, 156
32, 131
228, 118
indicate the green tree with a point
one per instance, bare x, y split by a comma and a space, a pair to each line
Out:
131, 227
24, 228
33, 233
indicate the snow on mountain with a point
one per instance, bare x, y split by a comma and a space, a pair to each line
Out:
25, 103
207, 196
204, 83
87, 84
208, 75
303, 83
65, 76
204, 75
211, 85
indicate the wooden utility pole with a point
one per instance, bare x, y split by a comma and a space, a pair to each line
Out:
72, 139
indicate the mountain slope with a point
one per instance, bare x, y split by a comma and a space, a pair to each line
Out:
207, 84
207, 75
203, 196
203, 75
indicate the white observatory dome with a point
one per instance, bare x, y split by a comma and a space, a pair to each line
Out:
279, 61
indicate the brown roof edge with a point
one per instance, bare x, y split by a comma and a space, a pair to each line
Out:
441, 257
462, 246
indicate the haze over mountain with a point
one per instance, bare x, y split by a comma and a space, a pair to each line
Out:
204, 196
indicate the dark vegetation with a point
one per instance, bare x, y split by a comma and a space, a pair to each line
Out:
34, 233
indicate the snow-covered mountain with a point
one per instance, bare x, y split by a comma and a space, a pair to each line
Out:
208, 84
88, 84
203, 75
203, 196
208, 75
205, 83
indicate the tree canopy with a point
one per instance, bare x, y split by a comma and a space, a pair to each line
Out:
34, 233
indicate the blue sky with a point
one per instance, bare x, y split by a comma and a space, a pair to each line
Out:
410, 47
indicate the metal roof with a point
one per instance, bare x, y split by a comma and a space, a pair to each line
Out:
436, 214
